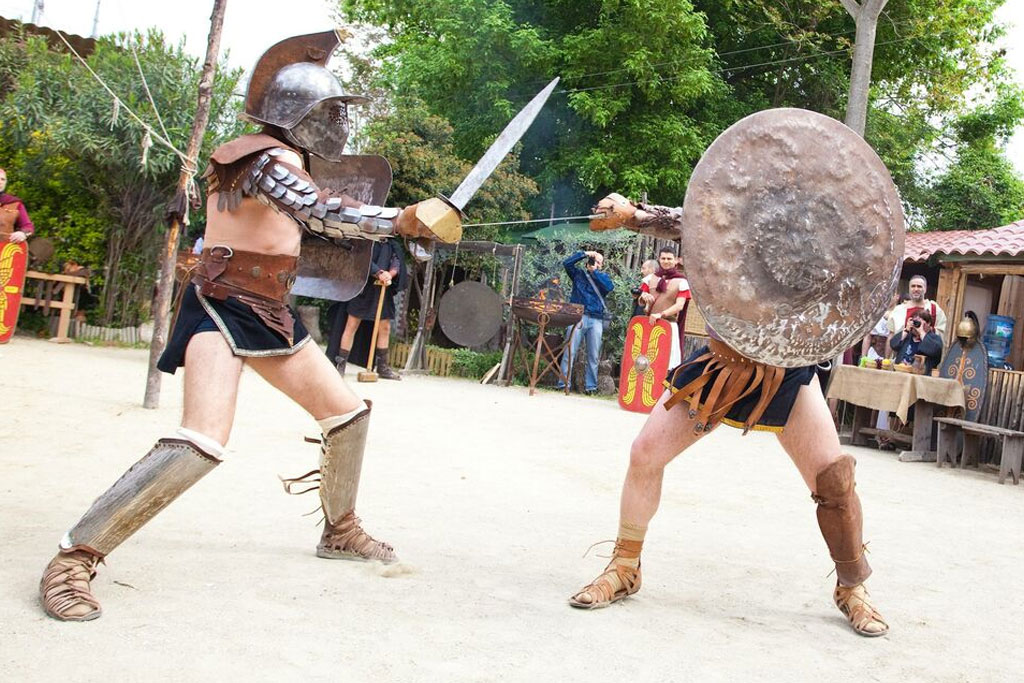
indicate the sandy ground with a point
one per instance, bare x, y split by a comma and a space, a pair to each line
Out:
491, 498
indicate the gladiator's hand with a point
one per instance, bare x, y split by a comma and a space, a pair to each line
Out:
647, 298
18, 236
432, 218
616, 211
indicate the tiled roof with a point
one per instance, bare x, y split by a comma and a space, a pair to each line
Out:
1005, 241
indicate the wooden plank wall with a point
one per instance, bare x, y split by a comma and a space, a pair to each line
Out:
1011, 303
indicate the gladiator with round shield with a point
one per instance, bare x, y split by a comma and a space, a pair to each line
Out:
792, 235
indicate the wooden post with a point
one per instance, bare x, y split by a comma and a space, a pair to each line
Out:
165, 280
415, 361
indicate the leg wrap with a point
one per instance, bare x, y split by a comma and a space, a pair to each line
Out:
841, 520
171, 467
341, 461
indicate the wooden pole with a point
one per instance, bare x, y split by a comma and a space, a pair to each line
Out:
165, 280
370, 375
416, 352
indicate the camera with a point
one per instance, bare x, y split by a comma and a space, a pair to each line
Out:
591, 260
915, 323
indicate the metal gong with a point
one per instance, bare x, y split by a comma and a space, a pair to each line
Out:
470, 313
792, 237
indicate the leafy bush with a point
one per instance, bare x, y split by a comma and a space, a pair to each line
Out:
474, 364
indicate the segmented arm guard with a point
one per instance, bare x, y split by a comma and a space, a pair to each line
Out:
290, 190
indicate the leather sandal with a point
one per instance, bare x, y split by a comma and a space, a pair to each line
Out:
863, 617
347, 541
64, 590
602, 592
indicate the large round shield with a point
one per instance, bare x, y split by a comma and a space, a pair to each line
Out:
470, 313
792, 237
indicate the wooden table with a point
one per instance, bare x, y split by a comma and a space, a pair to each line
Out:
895, 392
66, 304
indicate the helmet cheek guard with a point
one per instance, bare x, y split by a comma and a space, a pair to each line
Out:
323, 131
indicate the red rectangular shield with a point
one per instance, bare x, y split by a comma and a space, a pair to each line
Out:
13, 260
645, 358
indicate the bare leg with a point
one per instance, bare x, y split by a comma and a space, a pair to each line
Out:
381, 359
211, 386
384, 334
666, 434
812, 443
309, 379
810, 436
347, 337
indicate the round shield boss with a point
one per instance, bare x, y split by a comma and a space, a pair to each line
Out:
792, 237
470, 313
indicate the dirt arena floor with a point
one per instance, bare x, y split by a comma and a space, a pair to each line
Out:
490, 497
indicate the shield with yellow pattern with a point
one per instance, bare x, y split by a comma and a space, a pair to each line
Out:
645, 359
13, 259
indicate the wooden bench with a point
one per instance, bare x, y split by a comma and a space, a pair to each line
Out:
1013, 445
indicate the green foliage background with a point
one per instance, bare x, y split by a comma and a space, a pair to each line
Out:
77, 160
646, 86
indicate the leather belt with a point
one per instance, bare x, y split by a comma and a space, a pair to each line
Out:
224, 272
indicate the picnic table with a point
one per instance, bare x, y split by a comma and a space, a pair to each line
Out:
869, 389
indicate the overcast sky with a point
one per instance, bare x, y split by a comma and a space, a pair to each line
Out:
251, 26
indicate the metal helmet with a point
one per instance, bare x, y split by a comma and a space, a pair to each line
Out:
291, 88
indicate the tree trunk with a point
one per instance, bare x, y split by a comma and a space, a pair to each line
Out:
165, 281
865, 14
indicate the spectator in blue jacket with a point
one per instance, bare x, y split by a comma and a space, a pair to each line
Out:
589, 287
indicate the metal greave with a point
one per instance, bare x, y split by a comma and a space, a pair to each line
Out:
341, 462
150, 485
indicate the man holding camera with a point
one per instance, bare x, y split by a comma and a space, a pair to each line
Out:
918, 337
905, 311
590, 287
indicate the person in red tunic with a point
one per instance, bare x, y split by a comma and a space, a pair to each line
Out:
15, 225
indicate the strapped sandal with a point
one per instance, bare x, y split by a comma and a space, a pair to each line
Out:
64, 590
348, 541
601, 592
863, 617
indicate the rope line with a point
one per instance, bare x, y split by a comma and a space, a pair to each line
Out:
153, 133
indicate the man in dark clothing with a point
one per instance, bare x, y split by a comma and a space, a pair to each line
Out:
15, 225
589, 287
918, 337
352, 321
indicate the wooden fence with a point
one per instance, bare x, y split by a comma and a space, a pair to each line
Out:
117, 335
439, 361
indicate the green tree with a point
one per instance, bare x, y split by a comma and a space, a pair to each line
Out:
931, 58
476, 62
420, 147
647, 86
980, 189
92, 177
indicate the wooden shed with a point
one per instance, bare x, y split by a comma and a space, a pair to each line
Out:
976, 270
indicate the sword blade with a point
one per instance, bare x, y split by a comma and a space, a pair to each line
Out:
501, 147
